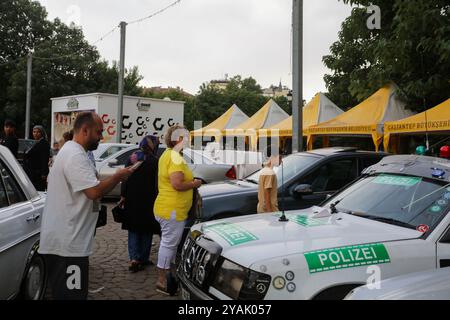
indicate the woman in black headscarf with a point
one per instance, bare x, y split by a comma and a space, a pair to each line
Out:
36, 159
138, 195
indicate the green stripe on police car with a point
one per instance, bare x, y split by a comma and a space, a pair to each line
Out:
232, 233
347, 257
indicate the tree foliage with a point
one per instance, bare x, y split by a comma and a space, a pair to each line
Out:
64, 63
412, 49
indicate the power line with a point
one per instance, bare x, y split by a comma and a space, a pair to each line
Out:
106, 35
155, 13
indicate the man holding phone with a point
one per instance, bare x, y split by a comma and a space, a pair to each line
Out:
69, 218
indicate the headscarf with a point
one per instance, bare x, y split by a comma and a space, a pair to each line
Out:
42, 130
145, 150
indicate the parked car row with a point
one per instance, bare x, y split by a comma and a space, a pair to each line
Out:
348, 216
111, 157
391, 222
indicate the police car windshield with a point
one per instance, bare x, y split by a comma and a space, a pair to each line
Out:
396, 199
292, 166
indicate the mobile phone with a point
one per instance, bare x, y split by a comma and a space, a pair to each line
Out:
136, 165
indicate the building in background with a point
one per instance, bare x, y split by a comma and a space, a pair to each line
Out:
220, 84
276, 91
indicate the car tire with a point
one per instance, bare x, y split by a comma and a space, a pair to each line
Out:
34, 280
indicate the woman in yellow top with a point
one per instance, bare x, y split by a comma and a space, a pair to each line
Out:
175, 184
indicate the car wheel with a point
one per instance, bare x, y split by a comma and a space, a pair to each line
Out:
34, 282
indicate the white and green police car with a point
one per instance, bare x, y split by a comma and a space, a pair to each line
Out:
392, 221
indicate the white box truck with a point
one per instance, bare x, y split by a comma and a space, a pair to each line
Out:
141, 116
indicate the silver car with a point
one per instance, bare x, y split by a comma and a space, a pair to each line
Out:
22, 269
426, 285
204, 168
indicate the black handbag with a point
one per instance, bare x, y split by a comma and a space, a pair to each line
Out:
118, 214
102, 217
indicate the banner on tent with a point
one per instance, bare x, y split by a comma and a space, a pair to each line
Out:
419, 126
343, 129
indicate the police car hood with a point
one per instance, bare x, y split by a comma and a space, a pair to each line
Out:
254, 238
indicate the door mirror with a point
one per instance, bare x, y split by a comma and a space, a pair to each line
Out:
303, 190
113, 163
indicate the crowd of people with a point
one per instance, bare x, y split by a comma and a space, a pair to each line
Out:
156, 196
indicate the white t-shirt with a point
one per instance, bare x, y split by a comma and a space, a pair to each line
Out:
68, 220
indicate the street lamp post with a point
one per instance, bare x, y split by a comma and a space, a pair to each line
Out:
297, 77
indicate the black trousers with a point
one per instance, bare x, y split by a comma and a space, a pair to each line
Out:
68, 277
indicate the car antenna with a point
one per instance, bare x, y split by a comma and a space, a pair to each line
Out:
283, 211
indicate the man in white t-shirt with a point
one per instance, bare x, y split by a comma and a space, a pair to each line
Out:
69, 218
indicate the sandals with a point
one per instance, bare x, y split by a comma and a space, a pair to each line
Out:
163, 290
135, 267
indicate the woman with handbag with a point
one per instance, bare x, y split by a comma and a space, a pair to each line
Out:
138, 195
176, 184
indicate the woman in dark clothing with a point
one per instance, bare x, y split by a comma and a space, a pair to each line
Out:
35, 160
138, 195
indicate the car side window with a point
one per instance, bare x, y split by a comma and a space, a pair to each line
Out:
368, 162
3, 199
110, 151
123, 158
12, 189
332, 176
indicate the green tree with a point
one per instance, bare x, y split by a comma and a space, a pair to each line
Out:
23, 26
64, 63
212, 102
412, 49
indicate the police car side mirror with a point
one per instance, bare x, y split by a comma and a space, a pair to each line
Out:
113, 163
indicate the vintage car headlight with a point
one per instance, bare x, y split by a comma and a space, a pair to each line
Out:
240, 283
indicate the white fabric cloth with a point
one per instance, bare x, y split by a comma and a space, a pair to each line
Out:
68, 220
171, 233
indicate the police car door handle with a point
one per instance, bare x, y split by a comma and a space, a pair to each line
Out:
34, 217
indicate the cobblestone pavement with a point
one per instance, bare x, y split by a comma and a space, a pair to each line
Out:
109, 275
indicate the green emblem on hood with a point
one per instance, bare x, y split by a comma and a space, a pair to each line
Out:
347, 257
232, 233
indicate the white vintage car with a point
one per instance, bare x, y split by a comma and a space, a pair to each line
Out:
22, 269
392, 221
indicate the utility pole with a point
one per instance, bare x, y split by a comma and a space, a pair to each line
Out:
297, 73
28, 101
123, 31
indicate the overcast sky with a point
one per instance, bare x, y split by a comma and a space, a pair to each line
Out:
201, 40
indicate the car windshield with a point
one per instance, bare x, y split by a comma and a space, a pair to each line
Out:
292, 166
402, 200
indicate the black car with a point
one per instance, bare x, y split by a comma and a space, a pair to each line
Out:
305, 179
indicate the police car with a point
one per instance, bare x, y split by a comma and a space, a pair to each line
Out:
392, 221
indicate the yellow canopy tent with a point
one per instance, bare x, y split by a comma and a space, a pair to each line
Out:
433, 120
269, 115
318, 110
229, 120
366, 119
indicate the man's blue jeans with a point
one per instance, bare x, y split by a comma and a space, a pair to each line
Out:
139, 246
